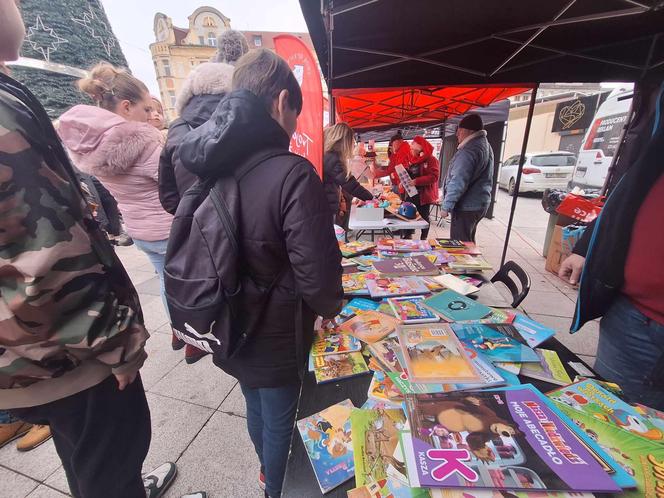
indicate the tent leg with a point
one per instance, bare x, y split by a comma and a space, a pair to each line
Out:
522, 159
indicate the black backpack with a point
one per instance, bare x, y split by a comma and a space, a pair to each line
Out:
205, 273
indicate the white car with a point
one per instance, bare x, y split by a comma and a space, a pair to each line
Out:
540, 171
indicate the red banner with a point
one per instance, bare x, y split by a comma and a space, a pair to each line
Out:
307, 140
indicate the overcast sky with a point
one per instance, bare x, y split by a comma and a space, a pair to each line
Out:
132, 22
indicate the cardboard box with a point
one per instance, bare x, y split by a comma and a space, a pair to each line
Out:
369, 214
556, 253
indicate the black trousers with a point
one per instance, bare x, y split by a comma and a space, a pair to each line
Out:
425, 211
464, 224
102, 436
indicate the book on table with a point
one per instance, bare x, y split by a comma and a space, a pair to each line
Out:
326, 342
432, 353
534, 333
456, 307
406, 267
387, 488
450, 243
356, 283
380, 287
403, 245
456, 284
353, 308
386, 352
498, 342
357, 247
327, 439
333, 367
383, 389
411, 309
369, 326
509, 438
549, 369
464, 262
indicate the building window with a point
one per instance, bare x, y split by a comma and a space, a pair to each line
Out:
212, 39
171, 97
258, 40
167, 67
201, 40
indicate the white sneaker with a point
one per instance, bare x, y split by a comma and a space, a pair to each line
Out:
157, 481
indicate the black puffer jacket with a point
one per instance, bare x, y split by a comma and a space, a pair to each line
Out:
200, 95
334, 178
285, 221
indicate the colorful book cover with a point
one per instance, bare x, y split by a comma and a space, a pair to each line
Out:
367, 260
465, 262
374, 404
432, 285
486, 493
356, 247
386, 352
330, 343
400, 286
469, 248
495, 341
385, 308
549, 369
451, 244
533, 332
590, 398
411, 309
403, 245
456, 284
640, 458
387, 488
356, 283
456, 307
369, 326
471, 280
375, 438
434, 354
512, 367
382, 388
503, 438
405, 267
333, 367
327, 438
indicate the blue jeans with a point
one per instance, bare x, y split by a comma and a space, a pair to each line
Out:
156, 253
270, 420
630, 352
7, 418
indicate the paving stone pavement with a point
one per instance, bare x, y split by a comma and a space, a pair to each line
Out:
198, 413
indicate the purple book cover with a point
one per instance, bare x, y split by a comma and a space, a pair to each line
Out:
502, 439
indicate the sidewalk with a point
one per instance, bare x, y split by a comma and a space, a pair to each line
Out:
198, 413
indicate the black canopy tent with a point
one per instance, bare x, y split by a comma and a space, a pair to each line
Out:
391, 43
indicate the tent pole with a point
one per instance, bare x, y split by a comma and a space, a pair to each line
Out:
330, 62
522, 159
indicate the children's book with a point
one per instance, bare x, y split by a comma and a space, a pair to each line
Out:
512, 367
327, 438
386, 352
451, 244
382, 388
370, 326
496, 316
433, 353
456, 284
455, 307
411, 309
354, 307
533, 332
509, 438
470, 248
373, 404
471, 280
590, 398
406, 267
366, 260
356, 283
403, 245
331, 343
465, 262
432, 285
549, 369
387, 488
357, 247
498, 342
333, 367
375, 437
400, 286
485, 493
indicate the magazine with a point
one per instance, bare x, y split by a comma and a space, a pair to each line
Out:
456, 284
370, 326
455, 307
534, 333
434, 354
331, 343
333, 367
509, 438
412, 310
401, 286
406, 267
386, 352
327, 438
590, 398
403, 245
356, 247
383, 389
496, 341
549, 369
375, 437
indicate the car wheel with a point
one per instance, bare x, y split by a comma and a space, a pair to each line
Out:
512, 187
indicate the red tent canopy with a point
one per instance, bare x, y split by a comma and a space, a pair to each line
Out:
375, 108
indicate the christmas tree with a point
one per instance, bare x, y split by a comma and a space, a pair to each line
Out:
63, 39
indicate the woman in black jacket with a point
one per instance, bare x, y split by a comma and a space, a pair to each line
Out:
336, 176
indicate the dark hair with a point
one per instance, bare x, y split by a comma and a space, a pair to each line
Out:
265, 74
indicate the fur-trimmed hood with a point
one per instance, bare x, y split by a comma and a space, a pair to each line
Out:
208, 78
103, 142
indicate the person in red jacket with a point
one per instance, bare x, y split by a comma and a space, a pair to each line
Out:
398, 153
424, 169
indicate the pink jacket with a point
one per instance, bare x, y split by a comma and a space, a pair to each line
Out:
124, 156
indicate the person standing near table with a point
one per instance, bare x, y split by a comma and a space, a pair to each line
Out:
398, 153
469, 179
425, 172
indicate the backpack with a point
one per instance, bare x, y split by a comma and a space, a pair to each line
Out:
205, 272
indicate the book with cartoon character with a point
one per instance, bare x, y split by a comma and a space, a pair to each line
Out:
387, 352
406, 267
590, 398
383, 389
410, 309
331, 343
400, 286
355, 284
387, 488
403, 245
498, 342
356, 247
510, 438
550, 369
327, 438
369, 327
433, 354
333, 367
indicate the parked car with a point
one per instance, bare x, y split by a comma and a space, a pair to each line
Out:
601, 141
540, 171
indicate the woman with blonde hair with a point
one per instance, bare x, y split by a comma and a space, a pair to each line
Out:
337, 179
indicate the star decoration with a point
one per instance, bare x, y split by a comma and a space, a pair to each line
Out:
100, 32
43, 39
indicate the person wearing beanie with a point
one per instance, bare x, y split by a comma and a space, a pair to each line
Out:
469, 178
424, 169
207, 84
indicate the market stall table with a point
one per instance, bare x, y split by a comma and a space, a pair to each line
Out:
385, 226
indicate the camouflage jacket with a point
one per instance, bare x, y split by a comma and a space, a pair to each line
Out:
66, 302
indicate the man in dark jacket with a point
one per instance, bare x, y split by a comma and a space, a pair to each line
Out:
619, 260
469, 178
284, 223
